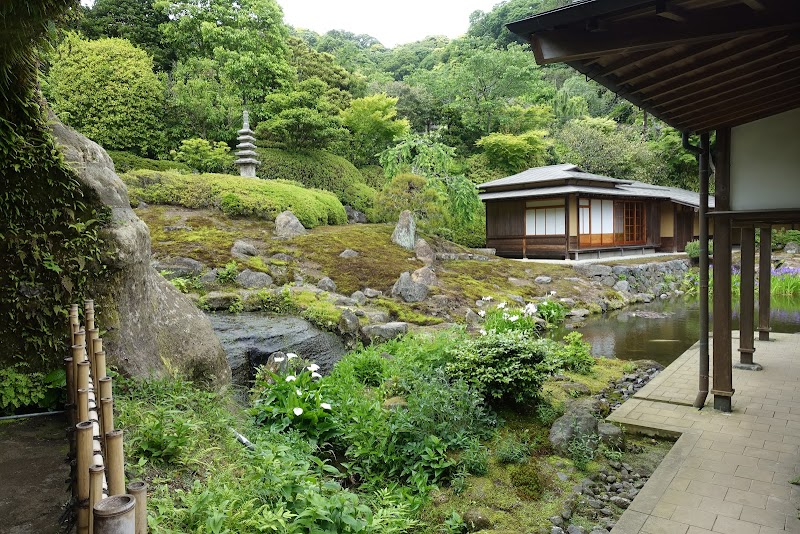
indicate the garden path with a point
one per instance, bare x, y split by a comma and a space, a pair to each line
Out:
727, 473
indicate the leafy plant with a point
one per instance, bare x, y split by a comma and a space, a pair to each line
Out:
692, 248
552, 312
510, 449
502, 319
21, 389
575, 354
369, 368
504, 367
186, 284
203, 156
228, 274
581, 450
474, 459
237, 306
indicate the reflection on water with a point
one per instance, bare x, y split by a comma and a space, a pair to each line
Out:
663, 330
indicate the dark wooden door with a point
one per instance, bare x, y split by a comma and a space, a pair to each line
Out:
684, 227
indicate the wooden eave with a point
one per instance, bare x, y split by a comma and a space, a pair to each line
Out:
697, 65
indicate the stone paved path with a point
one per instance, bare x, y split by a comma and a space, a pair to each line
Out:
727, 473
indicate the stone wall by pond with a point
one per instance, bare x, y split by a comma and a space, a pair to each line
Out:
656, 278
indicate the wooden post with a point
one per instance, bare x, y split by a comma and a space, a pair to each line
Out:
97, 347
84, 461
99, 372
764, 283
74, 321
115, 460
722, 387
88, 311
703, 359
566, 226
747, 299
139, 490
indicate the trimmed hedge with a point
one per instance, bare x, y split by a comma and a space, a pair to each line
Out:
125, 161
236, 196
312, 168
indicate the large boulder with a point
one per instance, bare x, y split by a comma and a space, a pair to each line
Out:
405, 233
253, 279
424, 276
573, 425
407, 289
151, 328
354, 216
288, 226
424, 252
243, 250
250, 338
178, 267
379, 333
791, 248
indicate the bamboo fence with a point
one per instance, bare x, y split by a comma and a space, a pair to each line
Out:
103, 505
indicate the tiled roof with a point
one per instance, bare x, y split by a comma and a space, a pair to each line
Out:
549, 173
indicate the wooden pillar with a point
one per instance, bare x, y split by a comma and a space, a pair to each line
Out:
747, 298
764, 283
566, 227
703, 359
722, 386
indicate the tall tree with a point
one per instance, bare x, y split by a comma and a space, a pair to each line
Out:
246, 38
373, 124
107, 90
137, 21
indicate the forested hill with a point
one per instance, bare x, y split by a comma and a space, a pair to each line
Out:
143, 76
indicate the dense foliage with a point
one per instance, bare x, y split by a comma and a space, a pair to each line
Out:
50, 244
236, 196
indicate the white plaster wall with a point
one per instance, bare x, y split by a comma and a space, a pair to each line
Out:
765, 163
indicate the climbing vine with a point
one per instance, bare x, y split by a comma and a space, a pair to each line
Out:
50, 242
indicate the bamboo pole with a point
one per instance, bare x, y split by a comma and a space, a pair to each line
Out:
91, 335
83, 406
97, 348
95, 490
74, 322
139, 490
107, 421
84, 460
115, 460
115, 515
88, 310
106, 387
69, 368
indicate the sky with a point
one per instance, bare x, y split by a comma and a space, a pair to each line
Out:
391, 22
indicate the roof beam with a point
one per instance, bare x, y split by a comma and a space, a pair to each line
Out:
745, 117
551, 46
745, 103
670, 12
755, 5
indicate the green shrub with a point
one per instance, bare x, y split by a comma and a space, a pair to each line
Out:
203, 156
236, 196
503, 319
368, 368
21, 389
581, 450
692, 248
312, 168
228, 274
125, 161
781, 237
474, 458
552, 312
503, 367
359, 196
373, 176
528, 480
511, 449
575, 354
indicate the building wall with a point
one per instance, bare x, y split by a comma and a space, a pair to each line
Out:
573, 215
765, 163
667, 219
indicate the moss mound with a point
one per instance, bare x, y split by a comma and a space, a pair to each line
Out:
236, 196
318, 169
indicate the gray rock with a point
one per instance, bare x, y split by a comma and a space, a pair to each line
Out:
581, 389
476, 521
378, 317
556, 530
611, 435
575, 529
405, 233
593, 270
405, 288
288, 226
253, 279
344, 301
425, 276
578, 312
175, 267
485, 251
557, 520
250, 338
354, 216
219, 300
280, 256
424, 251
210, 277
379, 333
622, 285
348, 323
151, 328
645, 297
620, 501
543, 279
581, 425
791, 248
349, 253
359, 298
372, 293
472, 317
326, 284
243, 250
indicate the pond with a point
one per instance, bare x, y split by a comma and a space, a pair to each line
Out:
665, 329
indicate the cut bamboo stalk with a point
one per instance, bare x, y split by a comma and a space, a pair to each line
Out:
74, 322
84, 460
106, 389
107, 421
83, 406
95, 490
91, 335
97, 348
80, 340
115, 460
83, 375
115, 515
88, 310
99, 372
69, 369
139, 490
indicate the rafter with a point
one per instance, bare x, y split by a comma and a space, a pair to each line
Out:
725, 23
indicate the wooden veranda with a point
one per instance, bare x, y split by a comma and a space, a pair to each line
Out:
725, 66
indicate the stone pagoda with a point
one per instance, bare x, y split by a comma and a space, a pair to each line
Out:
245, 150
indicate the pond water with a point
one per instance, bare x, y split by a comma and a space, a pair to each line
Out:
664, 329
